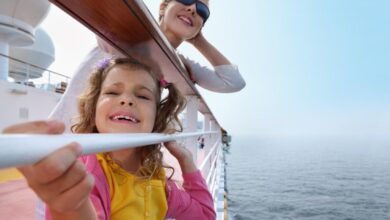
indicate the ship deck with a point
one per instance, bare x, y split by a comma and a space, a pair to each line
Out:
17, 200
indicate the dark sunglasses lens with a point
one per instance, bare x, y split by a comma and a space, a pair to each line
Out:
203, 11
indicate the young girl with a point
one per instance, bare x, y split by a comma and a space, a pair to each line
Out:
124, 96
180, 20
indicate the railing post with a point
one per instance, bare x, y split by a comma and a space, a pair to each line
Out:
48, 79
4, 68
191, 119
206, 127
214, 127
27, 73
206, 123
208, 143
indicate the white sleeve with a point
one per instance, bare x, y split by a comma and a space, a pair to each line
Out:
223, 79
107, 48
66, 109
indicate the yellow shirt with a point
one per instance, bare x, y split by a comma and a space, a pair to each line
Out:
131, 197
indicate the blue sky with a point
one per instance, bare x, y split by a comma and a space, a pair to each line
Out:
312, 67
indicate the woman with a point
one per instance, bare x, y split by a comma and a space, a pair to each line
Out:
183, 20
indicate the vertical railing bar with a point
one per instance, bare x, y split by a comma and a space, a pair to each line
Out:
213, 164
202, 166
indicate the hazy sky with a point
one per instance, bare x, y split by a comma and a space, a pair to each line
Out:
317, 67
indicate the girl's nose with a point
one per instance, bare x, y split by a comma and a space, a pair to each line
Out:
130, 103
127, 100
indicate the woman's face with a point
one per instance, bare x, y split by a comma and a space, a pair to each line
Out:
181, 20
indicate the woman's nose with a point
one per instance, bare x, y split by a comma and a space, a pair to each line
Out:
191, 8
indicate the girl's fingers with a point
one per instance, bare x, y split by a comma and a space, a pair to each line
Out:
171, 147
72, 198
49, 192
75, 174
51, 167
59, 179
56, 164
183, 156
180, 152
36, 127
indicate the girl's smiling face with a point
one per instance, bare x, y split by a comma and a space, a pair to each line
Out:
127, 102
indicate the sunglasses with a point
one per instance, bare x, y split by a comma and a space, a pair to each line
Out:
201, 8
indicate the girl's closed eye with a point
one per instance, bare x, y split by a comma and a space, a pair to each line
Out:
111, 92
144, 96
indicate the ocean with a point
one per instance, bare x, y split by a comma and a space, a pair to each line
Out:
316, 178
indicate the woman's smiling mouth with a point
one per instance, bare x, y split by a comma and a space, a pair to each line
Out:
185, 20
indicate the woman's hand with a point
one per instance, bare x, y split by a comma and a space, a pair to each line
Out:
198, 40
211, 53
183, 155
59, 179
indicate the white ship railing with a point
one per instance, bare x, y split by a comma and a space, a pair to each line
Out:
34, 76
23, 149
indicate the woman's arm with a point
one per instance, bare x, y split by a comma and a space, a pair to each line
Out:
211, 53
107, 48
66, 108
224, 77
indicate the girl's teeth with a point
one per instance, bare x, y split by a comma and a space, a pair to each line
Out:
119, 117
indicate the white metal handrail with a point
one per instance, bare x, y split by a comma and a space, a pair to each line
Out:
203, 164
35, 76
33, 65
22, 149
211, 171
215, 174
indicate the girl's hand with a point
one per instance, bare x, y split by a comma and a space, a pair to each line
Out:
183, 155
59, 179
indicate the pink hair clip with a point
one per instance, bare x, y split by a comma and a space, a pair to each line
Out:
163, 83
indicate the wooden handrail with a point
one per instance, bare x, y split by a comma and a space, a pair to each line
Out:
128, 26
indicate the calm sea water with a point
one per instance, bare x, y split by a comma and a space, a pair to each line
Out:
309, 178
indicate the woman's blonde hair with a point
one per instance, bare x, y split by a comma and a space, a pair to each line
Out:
163, 3
166, 120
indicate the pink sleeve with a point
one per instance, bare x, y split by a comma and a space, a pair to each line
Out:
100, 195
194, 202
99, 208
